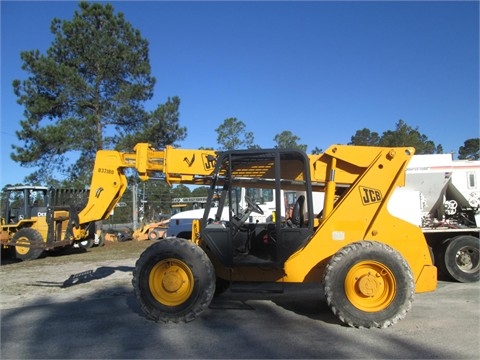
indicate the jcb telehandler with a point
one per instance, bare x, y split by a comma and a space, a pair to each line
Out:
37, 218
370, 262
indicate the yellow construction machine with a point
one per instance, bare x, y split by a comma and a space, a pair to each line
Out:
370, 263
151, 231
37, 218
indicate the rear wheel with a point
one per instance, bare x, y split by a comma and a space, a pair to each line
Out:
28, 244
154, 234
86, 244
369, 284
459, 258
173, 280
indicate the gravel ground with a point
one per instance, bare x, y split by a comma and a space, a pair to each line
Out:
75, 304
69, 274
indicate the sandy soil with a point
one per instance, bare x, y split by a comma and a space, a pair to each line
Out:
69, 274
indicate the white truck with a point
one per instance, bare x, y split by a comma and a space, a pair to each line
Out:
442, 196
181, 222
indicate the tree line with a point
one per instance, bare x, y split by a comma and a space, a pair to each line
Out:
88, 91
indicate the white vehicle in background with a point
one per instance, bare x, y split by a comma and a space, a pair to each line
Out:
442, 196
181, 222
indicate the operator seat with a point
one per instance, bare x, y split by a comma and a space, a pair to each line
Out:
297, 219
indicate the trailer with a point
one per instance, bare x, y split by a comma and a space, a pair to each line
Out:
442, 196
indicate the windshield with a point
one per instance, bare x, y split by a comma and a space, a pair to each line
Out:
260, 196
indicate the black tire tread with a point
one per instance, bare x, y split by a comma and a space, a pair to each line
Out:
449, 265
34, 237
174, 246
337, 263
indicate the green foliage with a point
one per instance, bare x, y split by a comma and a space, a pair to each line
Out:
200, 191
470, 149
232, 134
317, 151
403, 135
365, 137
83, 95
160, 129
158, 196
286, 140
181, 191
124, 214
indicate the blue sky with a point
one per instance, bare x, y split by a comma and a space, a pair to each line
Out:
321, 70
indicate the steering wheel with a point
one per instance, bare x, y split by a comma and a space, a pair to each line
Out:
253, 206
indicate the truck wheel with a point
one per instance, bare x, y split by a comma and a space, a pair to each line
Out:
153, 235
29, 237
86, 244
368, 284
173, 280
460, 257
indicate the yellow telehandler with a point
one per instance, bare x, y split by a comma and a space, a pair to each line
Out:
370, 263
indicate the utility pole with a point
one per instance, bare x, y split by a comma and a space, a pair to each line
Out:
134, 206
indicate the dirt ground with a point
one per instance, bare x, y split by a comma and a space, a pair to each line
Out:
69, 274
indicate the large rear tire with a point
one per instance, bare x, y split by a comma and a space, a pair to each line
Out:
459, 258
368, 284
173, 280
29, 244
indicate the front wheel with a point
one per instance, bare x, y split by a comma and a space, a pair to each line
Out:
368, 284
29, 244
173, 280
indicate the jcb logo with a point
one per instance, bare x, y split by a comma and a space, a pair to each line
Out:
208, 162
370, 196
207, 159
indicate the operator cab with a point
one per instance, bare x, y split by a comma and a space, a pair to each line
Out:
249, 237
23, 203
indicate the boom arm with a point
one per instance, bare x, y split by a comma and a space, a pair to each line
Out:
179, 166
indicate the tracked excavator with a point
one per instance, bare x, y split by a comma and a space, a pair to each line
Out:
369, 262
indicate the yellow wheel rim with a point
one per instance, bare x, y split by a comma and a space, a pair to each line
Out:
370, 286
171, 282
22, 250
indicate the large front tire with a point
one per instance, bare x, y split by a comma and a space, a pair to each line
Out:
369, 285
29, 244
173, 280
